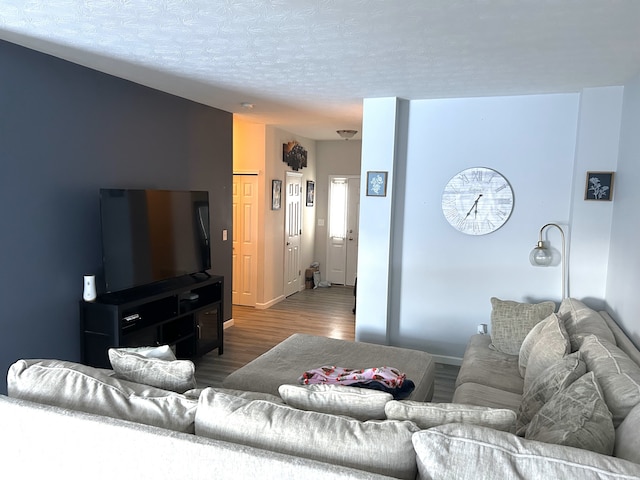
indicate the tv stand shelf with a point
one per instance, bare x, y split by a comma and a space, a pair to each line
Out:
185, 313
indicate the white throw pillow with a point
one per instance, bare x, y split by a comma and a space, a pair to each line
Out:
177, 375
429, 415
360, 403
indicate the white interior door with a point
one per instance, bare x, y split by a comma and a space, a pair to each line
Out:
293, 231
353, 233
342, 242
245, 240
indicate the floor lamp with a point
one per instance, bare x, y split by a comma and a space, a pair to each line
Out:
541, 256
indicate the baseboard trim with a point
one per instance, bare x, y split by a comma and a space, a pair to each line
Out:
229, 323
447, 360
271, 303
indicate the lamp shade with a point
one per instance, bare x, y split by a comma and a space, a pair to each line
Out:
540, 256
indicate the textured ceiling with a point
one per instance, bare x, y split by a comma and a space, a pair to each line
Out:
307, 64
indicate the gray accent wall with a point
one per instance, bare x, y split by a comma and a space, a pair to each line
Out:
65, 132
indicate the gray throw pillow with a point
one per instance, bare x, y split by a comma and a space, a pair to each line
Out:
551, 345
577, 417
555, 378
582, 321
177, 376
627, 438
512, 321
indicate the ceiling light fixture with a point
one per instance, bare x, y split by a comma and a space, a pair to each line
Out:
247, 105
346, 134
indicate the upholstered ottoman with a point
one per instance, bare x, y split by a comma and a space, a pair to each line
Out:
285, 362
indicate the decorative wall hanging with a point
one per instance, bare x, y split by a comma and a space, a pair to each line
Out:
276, 194
311, 192
294, 155
599, 186
376, 184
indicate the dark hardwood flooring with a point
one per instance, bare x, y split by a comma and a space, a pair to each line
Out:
322, 311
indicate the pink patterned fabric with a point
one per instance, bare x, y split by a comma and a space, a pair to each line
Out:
389, 377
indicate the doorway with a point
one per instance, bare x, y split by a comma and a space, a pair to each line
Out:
245, 240
293, 231
343, 232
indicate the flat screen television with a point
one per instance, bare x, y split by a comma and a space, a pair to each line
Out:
153, 235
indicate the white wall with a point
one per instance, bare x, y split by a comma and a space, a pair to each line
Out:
442, 280
623, 279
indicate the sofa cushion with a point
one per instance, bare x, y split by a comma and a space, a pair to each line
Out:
581, 321
428, 415
576, 416
511, 321
484, 396
177, 375
616, 373
86, 389
360, 403
627, 437
457, 451
549, 347
480, 359
376, 446
555, 378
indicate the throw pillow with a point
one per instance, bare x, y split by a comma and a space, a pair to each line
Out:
582, 321
163, 352
627, 438
360, 403
551, 345
512, 321
577, 417
617, 374
177, 376
382, 447
556, 377
428, 415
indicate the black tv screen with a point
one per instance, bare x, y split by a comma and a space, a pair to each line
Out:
153, 235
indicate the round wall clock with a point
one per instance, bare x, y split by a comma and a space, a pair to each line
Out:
477, 201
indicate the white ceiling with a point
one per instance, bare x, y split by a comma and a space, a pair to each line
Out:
307, 64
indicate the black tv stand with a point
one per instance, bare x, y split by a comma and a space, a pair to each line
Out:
185, 312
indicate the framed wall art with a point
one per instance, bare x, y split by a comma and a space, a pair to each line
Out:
377, 184
599, 186
311, 192
276, 194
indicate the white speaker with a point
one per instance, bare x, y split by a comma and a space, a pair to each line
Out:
89, 293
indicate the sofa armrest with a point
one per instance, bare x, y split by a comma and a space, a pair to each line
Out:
466, 451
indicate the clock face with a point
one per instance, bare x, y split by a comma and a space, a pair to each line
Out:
477, 201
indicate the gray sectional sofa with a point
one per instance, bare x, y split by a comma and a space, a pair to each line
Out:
73, 419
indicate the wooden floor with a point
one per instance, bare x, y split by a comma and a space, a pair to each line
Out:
322, 311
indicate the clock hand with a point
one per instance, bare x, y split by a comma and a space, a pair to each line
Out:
474, 206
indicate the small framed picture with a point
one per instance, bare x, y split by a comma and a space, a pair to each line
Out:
599, 186
276, 194
377, 184
311, 192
